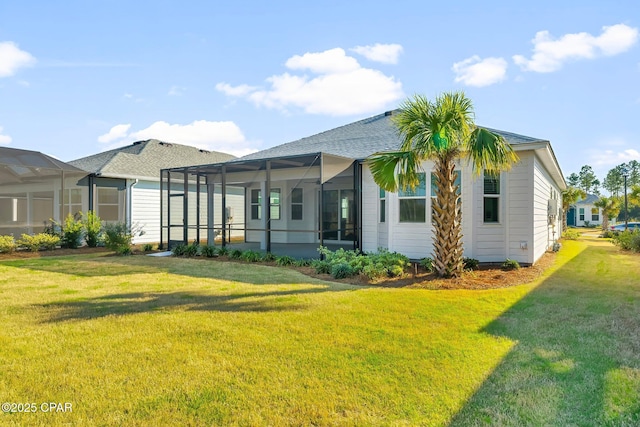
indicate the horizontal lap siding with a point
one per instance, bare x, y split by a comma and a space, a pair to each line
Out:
542, 230
520, 209
145, 210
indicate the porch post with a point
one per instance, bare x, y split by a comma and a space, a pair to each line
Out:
168, 210
224, 205
210, 215
161, 206
198, 206
185, 208
356, 206
321, 203
268, 209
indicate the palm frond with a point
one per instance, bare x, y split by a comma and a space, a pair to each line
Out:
489, 151
395, 170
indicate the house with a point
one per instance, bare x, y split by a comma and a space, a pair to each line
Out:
584, 213
35, 188
319, 191
123, 184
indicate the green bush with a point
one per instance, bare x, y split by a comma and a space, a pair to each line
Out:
7, 244
427, 264
321, 266
223, 251
510, 264
147, 247
285, 260
179, 249
608, 234
571, 234
117, 236
268, 257
235, 254
471, 263
192, 250
302, 263
209, 251
628, 240
251, 256
38, 241
123, 250
72, 231
341, 270
92, 229
392, 263
375, 271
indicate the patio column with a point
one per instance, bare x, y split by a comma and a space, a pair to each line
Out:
185, 208
267, 215
162, 172
210, 215
198, 207
224, 205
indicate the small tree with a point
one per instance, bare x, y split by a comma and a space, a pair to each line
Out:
72, 231
610, 208
93, 229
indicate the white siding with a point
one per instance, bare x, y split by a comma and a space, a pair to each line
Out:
489, 238
544, 233
371, 228
519, 215
145, 210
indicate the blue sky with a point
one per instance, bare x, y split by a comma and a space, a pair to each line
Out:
80, 77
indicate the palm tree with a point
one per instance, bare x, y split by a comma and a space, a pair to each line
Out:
442, 131
569, 197
610, 207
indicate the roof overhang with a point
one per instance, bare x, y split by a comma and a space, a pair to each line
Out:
547, 157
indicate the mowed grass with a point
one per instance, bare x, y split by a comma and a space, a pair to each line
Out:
165, 341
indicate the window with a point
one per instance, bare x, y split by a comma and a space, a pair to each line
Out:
434, 188
491, 205
296, 204
256, 204
274, 203
595, 214
72, 201
383, 206
108, 203
581, 214
413, 202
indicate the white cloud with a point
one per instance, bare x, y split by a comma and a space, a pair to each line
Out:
550, 54
176, 91
611, 158
224, 136
480, 72
385, 53
340, 86
4, 139
116, 132
12, 58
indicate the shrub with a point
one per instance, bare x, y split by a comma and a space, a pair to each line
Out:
392, 263
179, 249
628, 240
268, 257
92, 229
321, 266
571, 234
223, 251
235, 254
510, 264
302, 263
375, 271
285, 260
7, 244
471, 263
251, 256
608, 234
147, 247
72, 231
117, 236
427, 264
192, 250
38, 241
123, 250
209, 251
341, 270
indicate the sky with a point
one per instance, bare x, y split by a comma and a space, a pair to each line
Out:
81, 77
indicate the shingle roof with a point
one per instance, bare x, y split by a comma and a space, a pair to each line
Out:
589, 200
146, 158
18, 166
357, 140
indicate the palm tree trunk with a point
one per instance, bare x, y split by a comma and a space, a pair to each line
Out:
447, 219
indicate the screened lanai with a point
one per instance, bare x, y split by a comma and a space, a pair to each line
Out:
35, 188
313, 200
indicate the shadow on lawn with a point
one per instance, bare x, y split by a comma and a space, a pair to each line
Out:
143, 302
576, 360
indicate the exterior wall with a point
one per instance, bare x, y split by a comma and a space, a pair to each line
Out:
588, 218
546, 230
519, 215
374, 233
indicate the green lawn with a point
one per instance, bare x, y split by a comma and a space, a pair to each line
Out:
164, 341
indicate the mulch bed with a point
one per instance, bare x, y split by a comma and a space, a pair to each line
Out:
487, 277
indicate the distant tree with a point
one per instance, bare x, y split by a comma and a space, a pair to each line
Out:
610, 208
633, 167
614, 181
569, 197
573, 180
588, 181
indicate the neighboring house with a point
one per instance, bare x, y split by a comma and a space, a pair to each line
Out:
321, 192
585, 213
34, 189
124, 184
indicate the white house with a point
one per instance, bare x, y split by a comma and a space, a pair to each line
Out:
124, 184
321, 192
585, 212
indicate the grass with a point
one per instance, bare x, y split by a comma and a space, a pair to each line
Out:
148, 341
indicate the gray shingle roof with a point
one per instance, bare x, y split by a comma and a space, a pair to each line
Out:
589, 200
357, 140
146, 158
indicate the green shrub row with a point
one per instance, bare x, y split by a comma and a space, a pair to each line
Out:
628, 240
343, 263
33, 243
